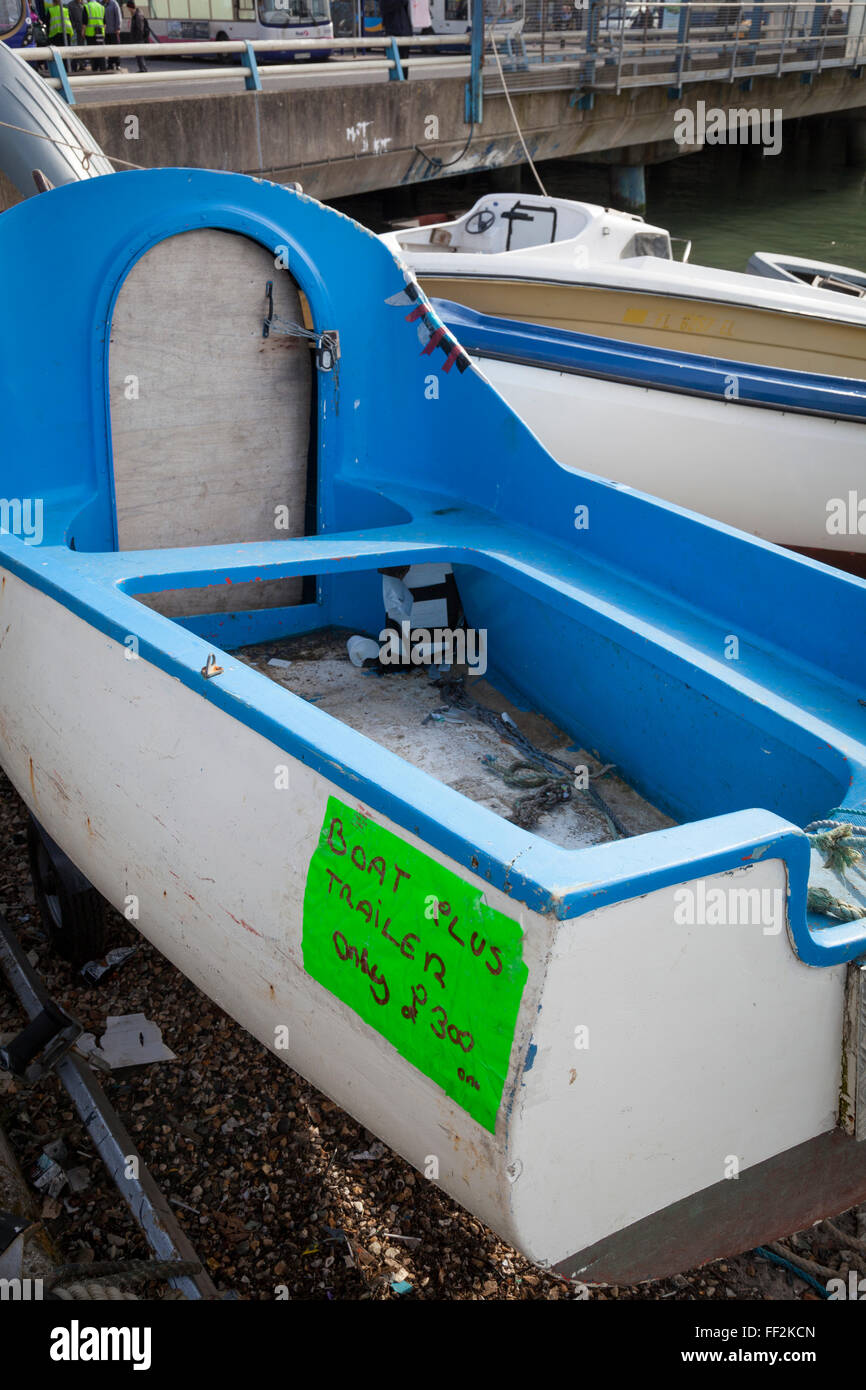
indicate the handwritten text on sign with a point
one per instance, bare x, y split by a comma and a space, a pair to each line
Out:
415, 951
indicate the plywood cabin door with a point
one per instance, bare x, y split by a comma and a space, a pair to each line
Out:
210, 421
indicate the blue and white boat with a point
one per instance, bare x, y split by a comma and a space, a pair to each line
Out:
775, 451
548, 923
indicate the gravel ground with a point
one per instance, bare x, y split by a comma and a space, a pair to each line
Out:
274, 1184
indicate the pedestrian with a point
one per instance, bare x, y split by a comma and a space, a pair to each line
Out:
94, 30
419, 14
76, 15
60, 31
113, 22
139, 30
395, 18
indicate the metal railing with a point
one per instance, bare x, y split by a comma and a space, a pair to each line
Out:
247, 71
605, 46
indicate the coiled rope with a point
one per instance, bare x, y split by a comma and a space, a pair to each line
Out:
546, 780
842, 844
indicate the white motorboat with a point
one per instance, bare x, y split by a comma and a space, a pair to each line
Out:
588, 269
801, 270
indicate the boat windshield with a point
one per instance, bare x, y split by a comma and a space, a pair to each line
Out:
648, 244
281, 14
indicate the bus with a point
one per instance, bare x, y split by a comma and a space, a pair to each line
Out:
505, 17
181, 21
15, 23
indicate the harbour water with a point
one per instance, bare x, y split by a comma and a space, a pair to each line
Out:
804, 201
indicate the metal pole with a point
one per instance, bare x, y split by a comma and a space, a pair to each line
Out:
682, 40
474, 97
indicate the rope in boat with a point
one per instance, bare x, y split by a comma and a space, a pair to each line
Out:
86, 154
838, 842
547, 780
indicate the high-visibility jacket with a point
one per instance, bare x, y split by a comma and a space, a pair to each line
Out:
94, 19
59, 22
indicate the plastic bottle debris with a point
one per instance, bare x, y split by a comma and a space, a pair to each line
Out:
398, 598
361, 649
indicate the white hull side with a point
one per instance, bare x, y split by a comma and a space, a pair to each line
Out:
704, 1042
767, 472
707, 1044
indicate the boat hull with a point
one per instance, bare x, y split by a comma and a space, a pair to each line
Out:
622, 1050
703, 1050
715, 328
778, 474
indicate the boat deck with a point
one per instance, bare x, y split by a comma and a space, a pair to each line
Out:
413, 716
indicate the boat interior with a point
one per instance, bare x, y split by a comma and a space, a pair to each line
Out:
243, 514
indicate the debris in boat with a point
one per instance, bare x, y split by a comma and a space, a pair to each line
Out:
95, 970
548, 779
279, 662
361, 650
400, 1286
422, 719
129, 1040
446, 715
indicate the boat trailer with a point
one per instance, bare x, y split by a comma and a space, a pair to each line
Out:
47, 1044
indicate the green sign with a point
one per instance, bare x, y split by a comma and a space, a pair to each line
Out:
418, 954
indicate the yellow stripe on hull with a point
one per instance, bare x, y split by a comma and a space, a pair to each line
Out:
771, 337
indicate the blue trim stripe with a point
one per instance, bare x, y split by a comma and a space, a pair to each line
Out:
632, 364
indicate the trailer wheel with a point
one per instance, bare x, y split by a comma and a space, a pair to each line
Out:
74, 921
